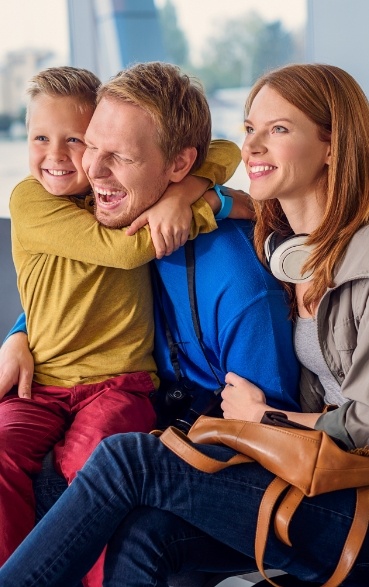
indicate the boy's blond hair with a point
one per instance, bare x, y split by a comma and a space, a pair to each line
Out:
68, 81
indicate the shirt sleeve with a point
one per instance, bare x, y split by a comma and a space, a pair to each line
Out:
257, 344
46, 224
221, 162
244, 315
19, 326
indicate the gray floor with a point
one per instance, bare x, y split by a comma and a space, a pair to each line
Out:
10, 306
236, 582
247, 580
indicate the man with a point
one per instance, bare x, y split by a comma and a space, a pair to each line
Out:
241, 311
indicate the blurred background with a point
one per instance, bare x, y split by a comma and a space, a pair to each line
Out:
225, 43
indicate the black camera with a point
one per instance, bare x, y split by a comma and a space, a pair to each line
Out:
182, 402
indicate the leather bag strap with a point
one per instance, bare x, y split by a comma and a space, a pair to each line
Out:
354, 540
182, 446
284, 514
270, 497
290, 502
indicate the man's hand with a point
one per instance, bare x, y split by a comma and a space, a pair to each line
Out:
16, 365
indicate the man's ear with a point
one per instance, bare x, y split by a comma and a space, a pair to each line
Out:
183, 163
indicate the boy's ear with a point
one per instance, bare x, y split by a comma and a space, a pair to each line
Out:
183, 163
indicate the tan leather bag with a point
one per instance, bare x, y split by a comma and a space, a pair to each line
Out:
306, 462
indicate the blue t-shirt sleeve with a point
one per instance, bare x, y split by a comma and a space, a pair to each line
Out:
19, 326
258, 345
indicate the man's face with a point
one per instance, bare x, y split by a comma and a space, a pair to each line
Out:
123, 162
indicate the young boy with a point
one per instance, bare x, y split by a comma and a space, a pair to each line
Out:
86, 293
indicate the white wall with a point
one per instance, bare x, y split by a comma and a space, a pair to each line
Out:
338, 34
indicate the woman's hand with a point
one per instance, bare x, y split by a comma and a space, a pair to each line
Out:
16, 365
242, 400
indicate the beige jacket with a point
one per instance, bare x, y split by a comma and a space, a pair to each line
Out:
343, 331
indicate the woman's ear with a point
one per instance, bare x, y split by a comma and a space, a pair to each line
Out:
328, 157
182, 164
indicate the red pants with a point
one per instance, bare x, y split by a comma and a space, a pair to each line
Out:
73, 421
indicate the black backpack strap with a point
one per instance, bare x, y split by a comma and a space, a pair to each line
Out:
173, 346
190, 266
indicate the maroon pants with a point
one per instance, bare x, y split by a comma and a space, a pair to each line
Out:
73, 421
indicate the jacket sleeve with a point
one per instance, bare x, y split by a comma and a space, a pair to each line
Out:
350, 422
335, 423
221, 162
43, 223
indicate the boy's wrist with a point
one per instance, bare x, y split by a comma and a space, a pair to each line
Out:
213, 200
226, 203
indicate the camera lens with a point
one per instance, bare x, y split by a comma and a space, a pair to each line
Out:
177, 394
177, 399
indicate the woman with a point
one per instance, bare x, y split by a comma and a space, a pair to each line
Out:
307, 142
307, 154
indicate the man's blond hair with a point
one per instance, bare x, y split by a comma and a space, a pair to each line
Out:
74, 82
176, 103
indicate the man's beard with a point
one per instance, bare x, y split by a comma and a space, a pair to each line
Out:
110, 221
126, 217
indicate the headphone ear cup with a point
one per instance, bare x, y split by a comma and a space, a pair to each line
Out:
272, 243
288, 257
268, 247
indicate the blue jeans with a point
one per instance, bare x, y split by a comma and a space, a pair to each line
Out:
133, 470
178, 543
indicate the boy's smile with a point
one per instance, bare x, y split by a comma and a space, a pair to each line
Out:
57, 125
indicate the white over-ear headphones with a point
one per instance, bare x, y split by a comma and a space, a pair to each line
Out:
287, 255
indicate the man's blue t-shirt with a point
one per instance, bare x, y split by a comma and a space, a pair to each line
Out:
243, 314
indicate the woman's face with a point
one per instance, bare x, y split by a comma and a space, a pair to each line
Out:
282, 152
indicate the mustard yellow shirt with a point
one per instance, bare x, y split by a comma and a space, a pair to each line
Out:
86, 289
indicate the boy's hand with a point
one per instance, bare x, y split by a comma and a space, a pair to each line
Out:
242, 207
16, 365
242, 204
170, 218
169, 226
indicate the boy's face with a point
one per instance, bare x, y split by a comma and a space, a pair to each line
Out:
56, 131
